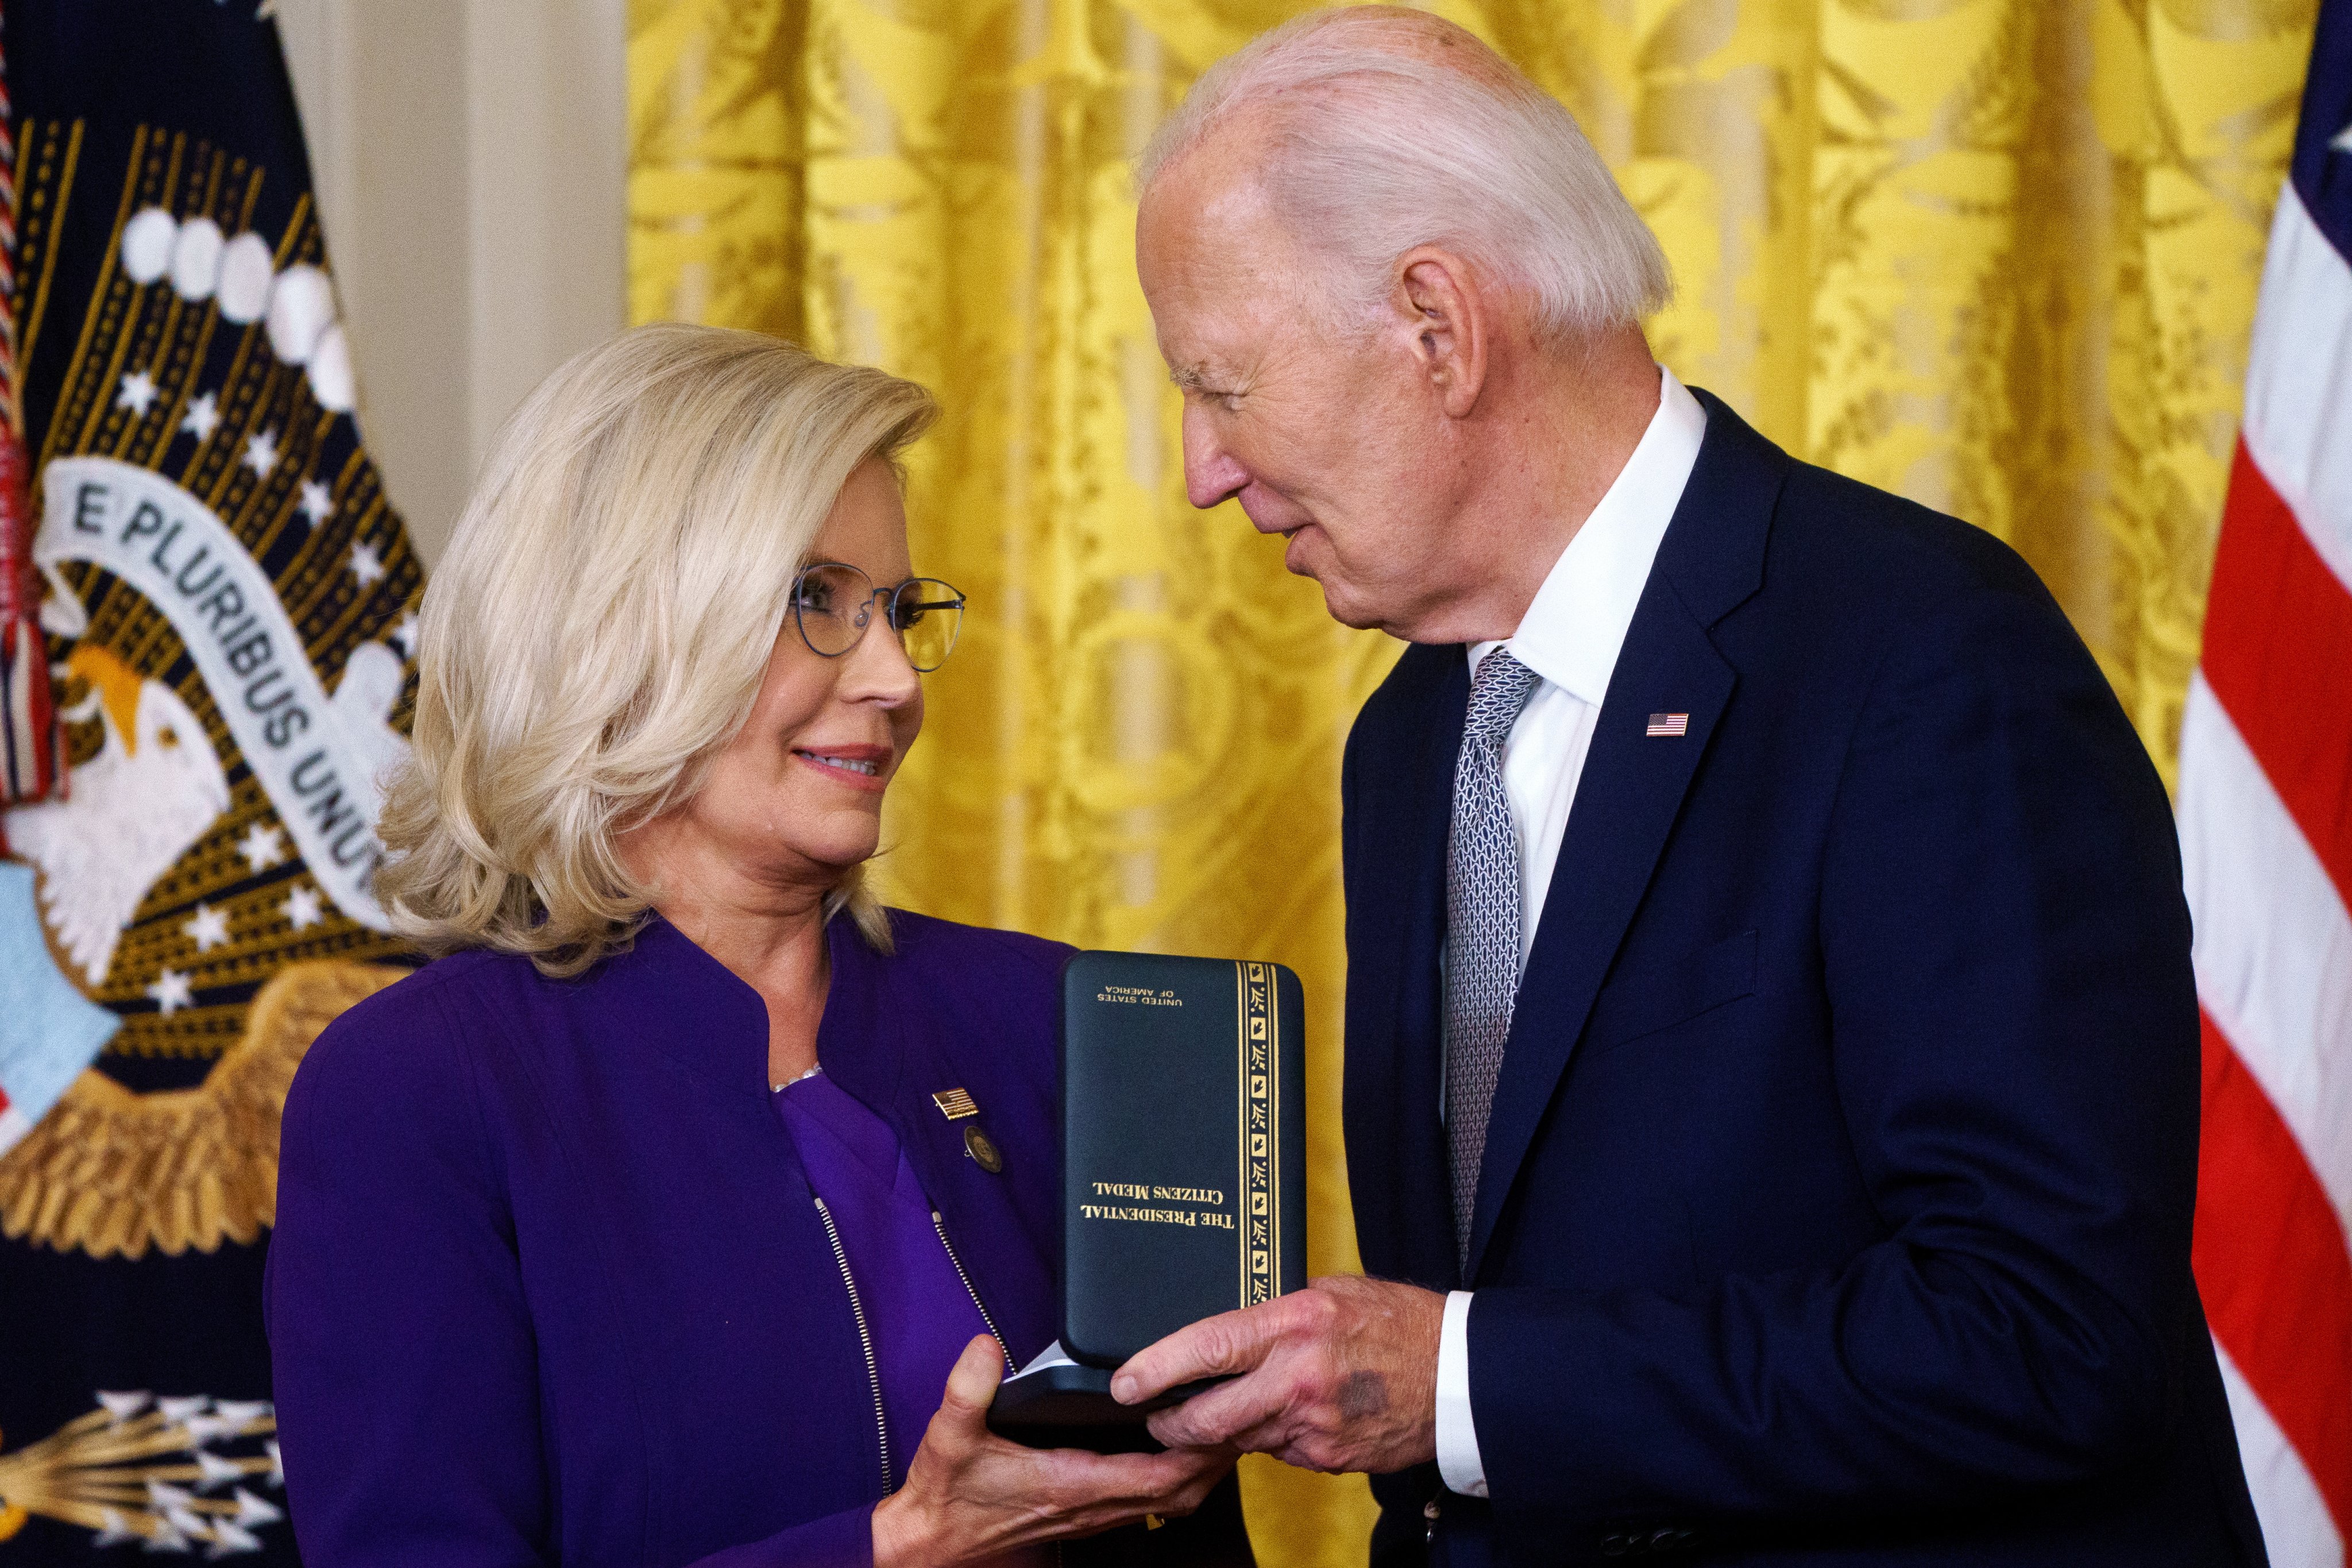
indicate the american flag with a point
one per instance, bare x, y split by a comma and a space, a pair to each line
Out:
2265, 808
1668, 724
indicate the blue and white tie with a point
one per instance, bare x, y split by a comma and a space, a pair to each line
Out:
1481, 924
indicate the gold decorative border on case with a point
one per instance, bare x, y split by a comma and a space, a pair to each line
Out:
1261, 1232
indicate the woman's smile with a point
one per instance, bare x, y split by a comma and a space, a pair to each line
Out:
857, 767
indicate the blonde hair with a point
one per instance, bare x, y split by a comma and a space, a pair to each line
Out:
601, 623
1390, 128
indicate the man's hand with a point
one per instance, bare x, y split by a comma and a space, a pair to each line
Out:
1340, 1377
972, 1496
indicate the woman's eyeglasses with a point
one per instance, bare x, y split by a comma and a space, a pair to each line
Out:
832, 604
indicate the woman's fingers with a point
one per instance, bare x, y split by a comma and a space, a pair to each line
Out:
1138, 1484
1190, 1483
1121, 1489
1191, 1495
984, 1493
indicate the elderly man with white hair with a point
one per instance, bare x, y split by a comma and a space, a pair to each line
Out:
1772, 1050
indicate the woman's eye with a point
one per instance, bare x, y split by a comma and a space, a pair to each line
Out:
812, 598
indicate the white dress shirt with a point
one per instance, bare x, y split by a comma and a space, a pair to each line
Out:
1569, 638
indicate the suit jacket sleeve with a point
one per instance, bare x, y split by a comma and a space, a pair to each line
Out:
401, 1341
2005, 955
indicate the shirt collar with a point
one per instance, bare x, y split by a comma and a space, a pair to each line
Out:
1578, 620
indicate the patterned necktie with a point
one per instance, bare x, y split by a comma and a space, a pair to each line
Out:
1481, 924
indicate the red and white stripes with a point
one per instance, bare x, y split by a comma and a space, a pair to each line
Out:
2265, 803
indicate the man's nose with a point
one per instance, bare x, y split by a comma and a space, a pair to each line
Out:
1211, 472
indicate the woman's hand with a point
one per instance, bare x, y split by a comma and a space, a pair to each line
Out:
970, 1495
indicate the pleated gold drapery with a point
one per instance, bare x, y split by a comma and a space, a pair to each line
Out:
1998, 255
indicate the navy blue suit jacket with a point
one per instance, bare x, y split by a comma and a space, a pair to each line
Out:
1836, 1200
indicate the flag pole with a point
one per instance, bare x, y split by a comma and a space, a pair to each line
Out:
31, 760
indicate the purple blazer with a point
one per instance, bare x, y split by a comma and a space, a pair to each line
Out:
548, 1285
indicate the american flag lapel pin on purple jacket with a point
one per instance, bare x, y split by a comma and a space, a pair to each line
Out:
1668, 724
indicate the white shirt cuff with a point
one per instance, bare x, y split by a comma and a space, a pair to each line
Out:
1457, 1436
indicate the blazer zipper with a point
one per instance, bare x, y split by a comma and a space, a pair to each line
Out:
866, 1342
1002, 1349
940, 1226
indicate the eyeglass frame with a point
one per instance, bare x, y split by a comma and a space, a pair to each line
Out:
957, 603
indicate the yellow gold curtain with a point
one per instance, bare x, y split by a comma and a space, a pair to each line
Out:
1998, 255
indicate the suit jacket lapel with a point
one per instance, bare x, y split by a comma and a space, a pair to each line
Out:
1632, 789
1396, 1144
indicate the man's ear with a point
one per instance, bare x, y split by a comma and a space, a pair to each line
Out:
1445, 314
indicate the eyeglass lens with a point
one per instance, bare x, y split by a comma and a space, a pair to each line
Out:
832, 604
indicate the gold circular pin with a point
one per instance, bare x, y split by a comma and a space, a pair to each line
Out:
977, 1144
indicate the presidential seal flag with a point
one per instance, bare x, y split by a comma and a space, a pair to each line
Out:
226, 607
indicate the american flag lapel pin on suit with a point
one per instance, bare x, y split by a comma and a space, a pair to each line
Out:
1668, 724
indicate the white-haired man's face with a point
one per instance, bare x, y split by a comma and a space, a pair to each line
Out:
1332, 436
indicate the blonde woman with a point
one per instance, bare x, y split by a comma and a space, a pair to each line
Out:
633, 1230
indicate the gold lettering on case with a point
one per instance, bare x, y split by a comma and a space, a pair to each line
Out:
1191, 1195
1138, 995
1215, 1196
1211, 1218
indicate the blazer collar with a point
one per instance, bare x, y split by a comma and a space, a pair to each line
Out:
1713, 555
1396, 929
1632, 789
668, 991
